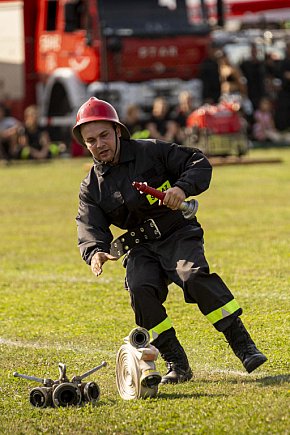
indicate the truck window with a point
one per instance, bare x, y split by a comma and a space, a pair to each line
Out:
51, 15
74, 12
159, 17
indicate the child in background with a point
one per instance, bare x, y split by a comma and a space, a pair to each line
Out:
264, 128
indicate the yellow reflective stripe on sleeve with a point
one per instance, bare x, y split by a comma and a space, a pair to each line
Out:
162, 188
161, 327
223, 312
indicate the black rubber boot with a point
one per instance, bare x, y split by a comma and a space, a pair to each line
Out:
175, 358
243, 346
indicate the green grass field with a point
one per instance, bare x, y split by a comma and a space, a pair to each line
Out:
54, 310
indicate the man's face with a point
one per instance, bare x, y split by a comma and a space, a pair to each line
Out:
100, 139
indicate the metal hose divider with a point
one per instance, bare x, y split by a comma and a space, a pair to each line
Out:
62, 392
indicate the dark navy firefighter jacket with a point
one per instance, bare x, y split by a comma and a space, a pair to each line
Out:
107, 196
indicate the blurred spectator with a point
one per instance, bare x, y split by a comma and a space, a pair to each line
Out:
184, 108
253, 70
181, 112
210, 77
233, 85
231, 77
34, 141
264, 128
8, 134
282, 112
160, 125
135, 123
272, 79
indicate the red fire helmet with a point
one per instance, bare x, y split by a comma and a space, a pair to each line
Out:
97, 110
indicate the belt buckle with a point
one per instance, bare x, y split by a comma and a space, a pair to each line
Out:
155, 228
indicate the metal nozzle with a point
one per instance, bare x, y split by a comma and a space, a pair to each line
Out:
189, 208
139, 337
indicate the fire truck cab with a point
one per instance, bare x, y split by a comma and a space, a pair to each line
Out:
125, 52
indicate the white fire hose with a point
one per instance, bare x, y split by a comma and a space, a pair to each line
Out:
136, 374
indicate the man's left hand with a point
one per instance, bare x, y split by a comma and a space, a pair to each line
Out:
99, 258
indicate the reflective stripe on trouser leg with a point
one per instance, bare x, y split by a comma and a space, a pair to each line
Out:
161, 327
222, 312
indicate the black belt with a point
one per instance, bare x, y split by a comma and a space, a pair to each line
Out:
147, 231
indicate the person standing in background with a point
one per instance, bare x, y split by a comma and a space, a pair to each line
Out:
282, 110
253, 70
210, 77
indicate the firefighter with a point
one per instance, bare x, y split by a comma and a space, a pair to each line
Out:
161, 246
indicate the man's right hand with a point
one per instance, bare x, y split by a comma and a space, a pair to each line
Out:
99, 258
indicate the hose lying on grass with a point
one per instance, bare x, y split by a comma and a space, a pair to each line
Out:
136, 374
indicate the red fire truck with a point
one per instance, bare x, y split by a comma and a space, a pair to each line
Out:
124, 51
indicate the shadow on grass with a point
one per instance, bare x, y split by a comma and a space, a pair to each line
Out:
265, 381
173, 396
274, 380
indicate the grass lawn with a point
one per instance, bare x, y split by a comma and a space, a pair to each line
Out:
54, 310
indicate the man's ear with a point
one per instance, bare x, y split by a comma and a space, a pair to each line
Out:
118, 130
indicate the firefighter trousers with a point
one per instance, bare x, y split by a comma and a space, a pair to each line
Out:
179, 259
